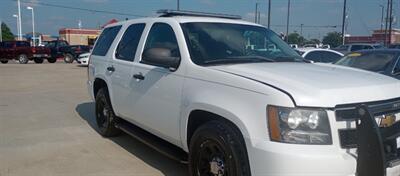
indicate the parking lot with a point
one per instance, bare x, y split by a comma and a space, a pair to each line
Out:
47, 128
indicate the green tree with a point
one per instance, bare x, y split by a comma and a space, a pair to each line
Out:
333, 38
295, 38
6, 32
314, 41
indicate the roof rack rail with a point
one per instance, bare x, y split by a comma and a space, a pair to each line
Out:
170, 13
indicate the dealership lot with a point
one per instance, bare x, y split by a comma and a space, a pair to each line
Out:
47, 128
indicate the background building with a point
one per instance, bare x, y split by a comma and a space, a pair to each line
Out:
79, 36
378, 36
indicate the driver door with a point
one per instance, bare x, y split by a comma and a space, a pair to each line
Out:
157, 92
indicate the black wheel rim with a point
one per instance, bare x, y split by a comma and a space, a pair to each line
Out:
103, 113
211, 160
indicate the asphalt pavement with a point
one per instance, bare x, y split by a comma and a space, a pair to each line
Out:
47, 128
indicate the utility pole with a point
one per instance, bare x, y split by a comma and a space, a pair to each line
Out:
386, 22
16, 16
383, 11
256, 13
390, 21
301, 29
19, 21
344, 21
287, 22
269, 14
259, 17
177, 5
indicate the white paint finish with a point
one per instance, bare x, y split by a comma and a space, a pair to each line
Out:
162, 103
320, 85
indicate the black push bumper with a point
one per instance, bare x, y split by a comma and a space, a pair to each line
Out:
377, 146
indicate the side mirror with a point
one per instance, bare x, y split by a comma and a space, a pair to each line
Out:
161, 57
396, 71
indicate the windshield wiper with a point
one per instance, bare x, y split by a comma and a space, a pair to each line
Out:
238, 59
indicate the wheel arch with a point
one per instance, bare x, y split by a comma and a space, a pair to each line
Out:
199, 116
98, 84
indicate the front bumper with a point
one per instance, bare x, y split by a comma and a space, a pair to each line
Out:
278, 159
375, 153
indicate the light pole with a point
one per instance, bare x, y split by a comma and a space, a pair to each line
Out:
177, 4
19, 21
287, 22
16, 16
33, 26
344, 21
269, 14
1, 31
383, 10
256, 13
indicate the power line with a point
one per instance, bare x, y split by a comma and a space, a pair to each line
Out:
81, 9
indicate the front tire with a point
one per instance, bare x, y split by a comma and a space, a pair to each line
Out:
4, 61
68, 58
105, 116
52, 60
217, 148
23, 59
38, 60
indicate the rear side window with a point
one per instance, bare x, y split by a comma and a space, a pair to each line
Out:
126, 49
357, 47
23, 44
105, 40
314, 56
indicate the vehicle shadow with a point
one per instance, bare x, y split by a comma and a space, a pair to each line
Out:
156, 160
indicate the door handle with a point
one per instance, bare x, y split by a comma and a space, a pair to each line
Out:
138, 76
111, 69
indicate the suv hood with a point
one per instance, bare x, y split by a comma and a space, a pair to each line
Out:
319, 85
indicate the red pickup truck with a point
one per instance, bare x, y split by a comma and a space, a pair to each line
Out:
23, 52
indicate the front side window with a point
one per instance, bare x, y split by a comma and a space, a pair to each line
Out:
126, 49
62, 43
329, 57
23, 44
224, 43
377, 62
105, 40
357, 47
161, 35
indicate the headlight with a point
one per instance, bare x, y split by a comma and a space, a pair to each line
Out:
299, 125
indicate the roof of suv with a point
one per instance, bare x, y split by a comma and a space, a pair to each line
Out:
186, 19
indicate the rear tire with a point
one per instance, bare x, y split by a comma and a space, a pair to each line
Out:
4, 61
218, 148
23, 59
38, 60
68, 58
52, 60
105, 116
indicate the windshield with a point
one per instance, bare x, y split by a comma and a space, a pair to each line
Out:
377, 62
223, 43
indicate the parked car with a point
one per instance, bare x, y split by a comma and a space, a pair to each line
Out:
319, 54
294, 45
384, 61
186, 84
61, 48
394, 46
356, 47
83, 59
311, 46
23, 52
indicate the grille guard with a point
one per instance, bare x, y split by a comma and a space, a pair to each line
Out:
376, 147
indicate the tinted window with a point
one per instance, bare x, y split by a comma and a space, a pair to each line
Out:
368, 47
396, 69
105, 40
357, 47
62, 43
162, 35
329, 57
22, 44
377, 62
126, 49
51, 44
223, 43
315, 56
8, 45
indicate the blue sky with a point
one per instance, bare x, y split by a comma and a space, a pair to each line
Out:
364, 15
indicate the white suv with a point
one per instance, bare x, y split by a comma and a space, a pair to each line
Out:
209, 90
